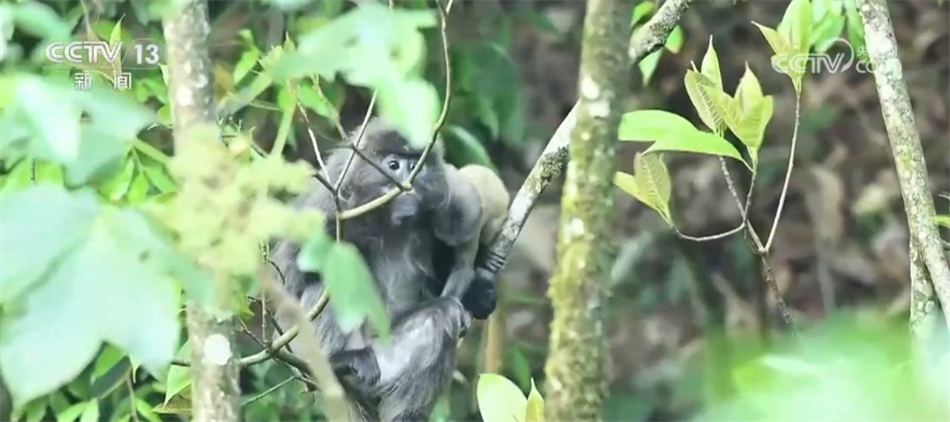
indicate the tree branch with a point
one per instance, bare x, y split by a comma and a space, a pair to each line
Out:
911, 169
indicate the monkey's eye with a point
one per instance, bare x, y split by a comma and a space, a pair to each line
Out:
393, 165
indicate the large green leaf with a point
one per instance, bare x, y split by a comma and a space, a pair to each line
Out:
108, 282
500, 400
674, 133
651, 125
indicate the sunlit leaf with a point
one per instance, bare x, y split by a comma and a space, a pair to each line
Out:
534, 409
651, 125
500, 400
796, 25
704, 95
698, 142
748, 92
776, 41
710, 66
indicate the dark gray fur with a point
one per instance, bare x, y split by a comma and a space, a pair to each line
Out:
414, 368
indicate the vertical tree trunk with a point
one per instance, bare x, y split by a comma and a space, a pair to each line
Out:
215, 393
574, 369
929, 269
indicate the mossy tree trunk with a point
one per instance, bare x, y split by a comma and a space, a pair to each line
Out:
215, 393
574, 368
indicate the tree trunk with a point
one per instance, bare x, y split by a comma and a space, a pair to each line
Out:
929, 269
215, 393
574, 368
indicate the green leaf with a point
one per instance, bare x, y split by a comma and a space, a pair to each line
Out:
697, 142
534, 409
748, 92
648, 65
487, 115
650, 183
796, 25
91, 412
179, 377
47, 112
349, 282
751, 129
41, 20
71, 413
640, 11
464, 148
248, 60
160, 178
776, 41
710, 66
675, 42
855, 29
109, 286
651, 125
116, 34
943, 220
100, 154
705, 97
312, 97
500, 400
413, 108
38, 225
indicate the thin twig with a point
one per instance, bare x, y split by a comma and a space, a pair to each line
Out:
710, 237
757, 249
267, 391
334, 400
313, 138
788, 177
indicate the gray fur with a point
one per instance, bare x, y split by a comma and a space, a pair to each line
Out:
416, 366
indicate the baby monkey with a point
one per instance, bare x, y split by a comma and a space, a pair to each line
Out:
423, 350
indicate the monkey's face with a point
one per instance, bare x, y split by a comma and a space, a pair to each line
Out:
428, 187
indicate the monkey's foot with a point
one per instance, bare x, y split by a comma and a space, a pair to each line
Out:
480, 298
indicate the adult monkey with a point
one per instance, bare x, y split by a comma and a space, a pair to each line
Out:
385, 373
400, 246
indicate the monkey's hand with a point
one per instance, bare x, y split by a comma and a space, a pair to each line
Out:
356, 369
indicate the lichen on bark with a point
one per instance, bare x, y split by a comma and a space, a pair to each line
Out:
215, 393
929, 270
574, 369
